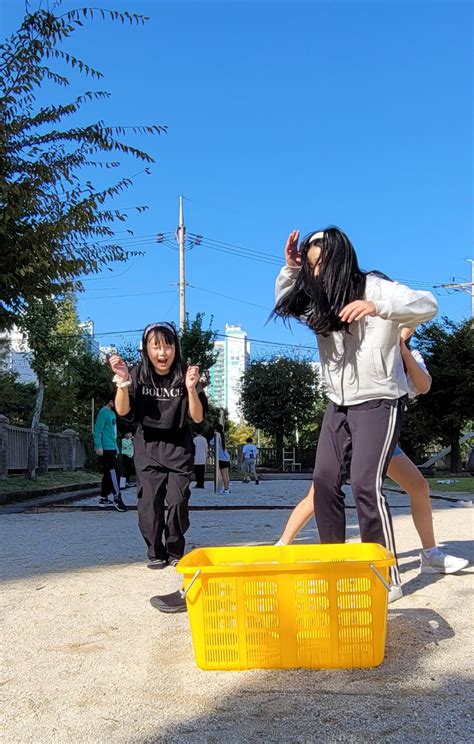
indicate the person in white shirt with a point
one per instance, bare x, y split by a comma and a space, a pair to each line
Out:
249, 461
402, 471
356, 317
224, 460
200, 459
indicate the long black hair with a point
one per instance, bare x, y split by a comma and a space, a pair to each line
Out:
318, 300
168, 333
219, 428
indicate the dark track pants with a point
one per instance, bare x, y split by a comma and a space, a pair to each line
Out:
110, 477
199, 472
163, 533
360, 438
127, 466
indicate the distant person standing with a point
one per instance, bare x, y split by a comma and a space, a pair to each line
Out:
200, 459
249, 461
127, 457
224, 460
105, 443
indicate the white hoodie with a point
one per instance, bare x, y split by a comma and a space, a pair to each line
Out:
366, 363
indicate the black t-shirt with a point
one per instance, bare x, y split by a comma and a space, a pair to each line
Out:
161, 410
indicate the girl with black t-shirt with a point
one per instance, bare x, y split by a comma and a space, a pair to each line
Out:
163, 397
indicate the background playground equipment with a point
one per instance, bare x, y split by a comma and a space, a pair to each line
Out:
269, 607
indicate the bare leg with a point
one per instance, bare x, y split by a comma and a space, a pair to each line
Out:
406, 474
299, 518
402, 471
253, 473
225, 478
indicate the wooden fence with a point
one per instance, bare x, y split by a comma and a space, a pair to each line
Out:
53, 451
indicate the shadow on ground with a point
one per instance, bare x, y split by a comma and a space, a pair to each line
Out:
395, 702
459, 548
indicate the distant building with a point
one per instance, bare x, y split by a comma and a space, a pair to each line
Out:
237, 359
217, 376
232, 361
16, 355
92, 345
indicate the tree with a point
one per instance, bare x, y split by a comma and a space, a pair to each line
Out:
54, 338
55, 224
279, 395
309, 432
74, 396
17, 399
237, 433
130, 354
448, 350
418, 439
197, 344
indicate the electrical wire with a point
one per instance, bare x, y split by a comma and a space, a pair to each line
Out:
138, 294
227, 297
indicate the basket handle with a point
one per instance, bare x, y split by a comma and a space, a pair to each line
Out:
380, 577
183, 592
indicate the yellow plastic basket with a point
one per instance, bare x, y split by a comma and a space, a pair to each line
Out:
269, 607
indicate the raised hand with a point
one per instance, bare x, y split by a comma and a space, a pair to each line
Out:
119, 367
192, 376
357, 310
292, 255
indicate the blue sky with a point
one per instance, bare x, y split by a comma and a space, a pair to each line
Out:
284, 115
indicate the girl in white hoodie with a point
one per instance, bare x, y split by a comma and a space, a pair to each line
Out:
404, 472
357, 317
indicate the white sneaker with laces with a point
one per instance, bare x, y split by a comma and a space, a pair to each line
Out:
438, 562
395, 593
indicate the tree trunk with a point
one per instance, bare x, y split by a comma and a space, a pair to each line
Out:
456, 464
33, 444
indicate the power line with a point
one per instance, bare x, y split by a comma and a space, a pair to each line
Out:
154, 237
274, 343
462, 286
252, 255
265, 342
264, 257
167, 238
138, 294
252, 251
169, 291
220, 246
227, 297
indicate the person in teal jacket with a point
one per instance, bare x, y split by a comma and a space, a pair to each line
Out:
105, 443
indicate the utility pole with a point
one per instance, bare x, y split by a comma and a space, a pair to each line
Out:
182, 280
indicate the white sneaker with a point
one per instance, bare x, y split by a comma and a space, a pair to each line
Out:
438, 562
224, 492
395, 593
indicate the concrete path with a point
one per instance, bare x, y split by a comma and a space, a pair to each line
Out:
88, 660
